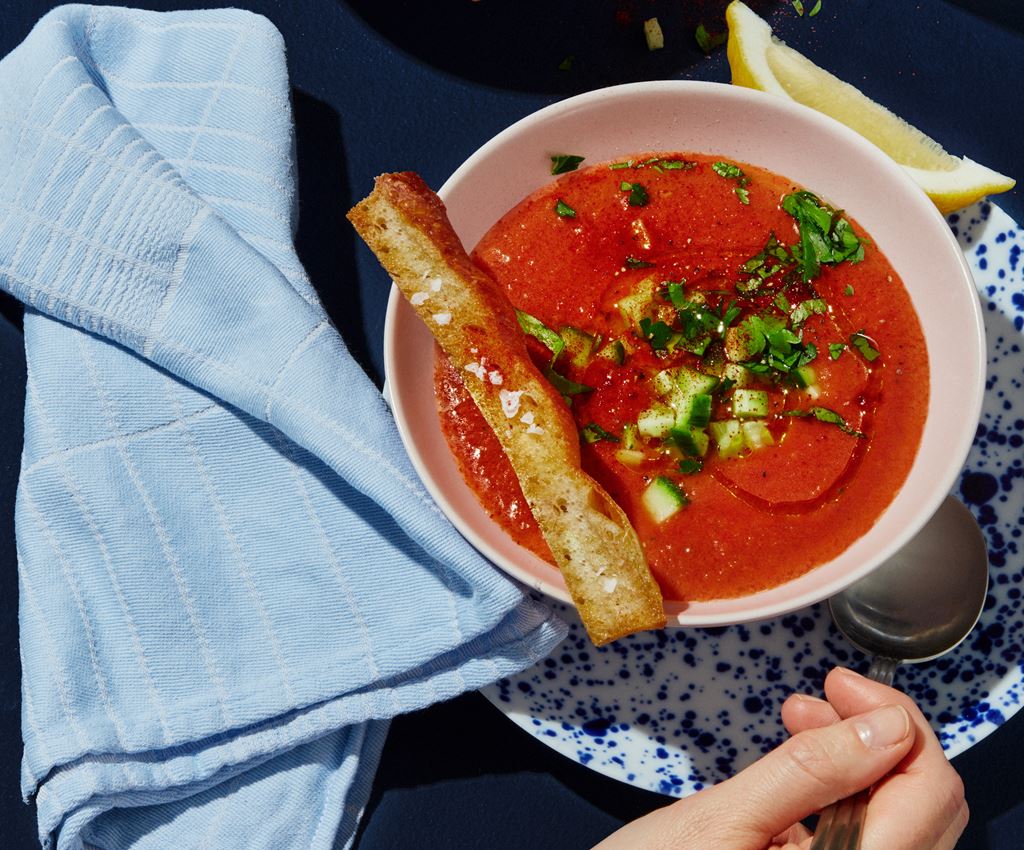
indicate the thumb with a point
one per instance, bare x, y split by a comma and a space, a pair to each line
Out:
812, 770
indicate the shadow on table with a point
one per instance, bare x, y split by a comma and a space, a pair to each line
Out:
556, 47
325, 242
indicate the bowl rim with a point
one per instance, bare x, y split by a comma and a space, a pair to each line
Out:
683, 614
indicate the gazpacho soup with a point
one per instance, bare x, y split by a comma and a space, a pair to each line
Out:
745, 368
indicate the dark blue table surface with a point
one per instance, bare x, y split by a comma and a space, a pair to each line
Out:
385, 85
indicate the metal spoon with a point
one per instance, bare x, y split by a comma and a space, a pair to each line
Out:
918, 605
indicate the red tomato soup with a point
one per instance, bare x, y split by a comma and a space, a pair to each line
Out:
746, 369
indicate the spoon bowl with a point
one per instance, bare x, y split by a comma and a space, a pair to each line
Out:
923, 601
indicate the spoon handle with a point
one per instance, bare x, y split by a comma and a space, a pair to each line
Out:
841, 825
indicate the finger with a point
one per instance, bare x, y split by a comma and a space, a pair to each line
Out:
953, 832
850, 693
792, 836
810, 771
800, 712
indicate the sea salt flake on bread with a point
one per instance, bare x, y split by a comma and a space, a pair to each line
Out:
592, 541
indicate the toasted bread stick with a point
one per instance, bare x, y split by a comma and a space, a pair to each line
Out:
592, 541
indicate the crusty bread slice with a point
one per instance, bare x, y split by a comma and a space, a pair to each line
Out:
593, 543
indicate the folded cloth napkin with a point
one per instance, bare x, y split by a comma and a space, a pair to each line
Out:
230, 576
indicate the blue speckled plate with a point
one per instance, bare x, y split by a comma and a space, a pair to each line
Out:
677, 710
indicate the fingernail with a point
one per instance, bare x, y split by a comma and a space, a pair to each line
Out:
884, 727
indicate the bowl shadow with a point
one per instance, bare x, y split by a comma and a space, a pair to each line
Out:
558, 47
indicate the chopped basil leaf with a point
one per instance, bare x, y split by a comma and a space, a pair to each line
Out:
742, 194
592, 433
658, 333
835, 349
637, 193
676, 164
566, 63
805, 309
617, 165
564, 385
706, 41
634, 263
565, 162
564, 210
830, 417
815, 10
863, 344
690, 465
727, 170
724, 386
799, 7
782, 302
774, 350
534, 327
825, 236
848, 290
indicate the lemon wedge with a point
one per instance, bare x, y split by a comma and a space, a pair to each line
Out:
758, 60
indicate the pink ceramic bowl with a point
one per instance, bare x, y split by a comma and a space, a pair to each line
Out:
784, 137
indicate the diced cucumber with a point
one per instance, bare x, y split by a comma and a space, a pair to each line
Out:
749, 404
728, 436
807, 379
579, 345
691, 441
691, 382
630, 457
656, 421
614, 351
664, 382
663, 499
739, 375
756, 434
639, 304
630, 440
693, 411
737, 344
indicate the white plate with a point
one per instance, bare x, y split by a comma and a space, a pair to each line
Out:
677, 710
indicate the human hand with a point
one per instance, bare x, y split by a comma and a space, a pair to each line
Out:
865, 733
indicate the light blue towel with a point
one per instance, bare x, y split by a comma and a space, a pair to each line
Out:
230, 575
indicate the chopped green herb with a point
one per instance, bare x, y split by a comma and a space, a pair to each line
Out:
676, 164
835, 349
767, 262
724, 386
634, 263
592, 433
658, 333
564, 210
825, 236
830, 417
863, 344
742, 194
805, 309
815, 10
708, 42
566, 63
848, 290
772, 347
799, 7
690, 465
782, 302
637, 193
565, 162
617, 165
727, 170
532, 326
566, 387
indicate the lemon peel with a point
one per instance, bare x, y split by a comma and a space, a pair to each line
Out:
760, 61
